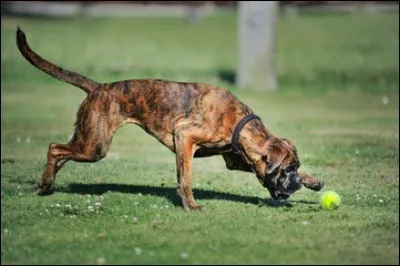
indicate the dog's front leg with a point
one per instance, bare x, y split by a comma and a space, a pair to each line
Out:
311, 182
184, 149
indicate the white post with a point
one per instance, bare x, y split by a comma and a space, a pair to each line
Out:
194, 12
257, 45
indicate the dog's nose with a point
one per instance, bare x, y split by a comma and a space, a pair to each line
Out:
282, 196
274, 195
279, 196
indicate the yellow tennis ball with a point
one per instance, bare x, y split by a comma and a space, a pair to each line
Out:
330, 200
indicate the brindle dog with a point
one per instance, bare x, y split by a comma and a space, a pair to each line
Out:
190, 119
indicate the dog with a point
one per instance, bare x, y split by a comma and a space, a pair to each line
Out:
191, 119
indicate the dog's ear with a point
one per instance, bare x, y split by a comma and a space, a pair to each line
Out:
289, 144
270, 165
310, 182
274, 156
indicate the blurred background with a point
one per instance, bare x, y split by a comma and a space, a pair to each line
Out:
311, 45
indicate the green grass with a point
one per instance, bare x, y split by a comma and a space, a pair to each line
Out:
333, 72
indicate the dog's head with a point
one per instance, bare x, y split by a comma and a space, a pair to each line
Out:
278, 168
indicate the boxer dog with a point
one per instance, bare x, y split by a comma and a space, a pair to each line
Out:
190, 119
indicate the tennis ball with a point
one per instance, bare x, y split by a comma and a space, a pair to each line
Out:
330, 200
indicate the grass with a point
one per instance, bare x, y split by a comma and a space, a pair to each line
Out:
334, 72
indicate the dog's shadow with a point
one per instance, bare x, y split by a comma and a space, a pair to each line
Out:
171, 193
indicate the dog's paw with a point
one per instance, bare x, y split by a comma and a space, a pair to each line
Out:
316, 186
194, 208
198, 208
38, 190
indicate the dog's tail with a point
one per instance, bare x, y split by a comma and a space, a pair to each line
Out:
73, 78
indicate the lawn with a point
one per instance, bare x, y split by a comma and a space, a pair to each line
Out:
337, 101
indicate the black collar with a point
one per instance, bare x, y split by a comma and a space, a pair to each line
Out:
238, 128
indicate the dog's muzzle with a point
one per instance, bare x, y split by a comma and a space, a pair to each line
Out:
284, 189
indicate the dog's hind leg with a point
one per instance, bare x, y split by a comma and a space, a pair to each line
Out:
59, 154
60, 164
90, 143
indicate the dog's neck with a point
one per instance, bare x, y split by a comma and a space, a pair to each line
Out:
238, 128
250, 150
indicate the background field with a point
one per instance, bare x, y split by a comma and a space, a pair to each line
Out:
338, 102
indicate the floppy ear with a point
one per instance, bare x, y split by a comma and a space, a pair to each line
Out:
310, 182
274, 158
271, 166
290, 145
